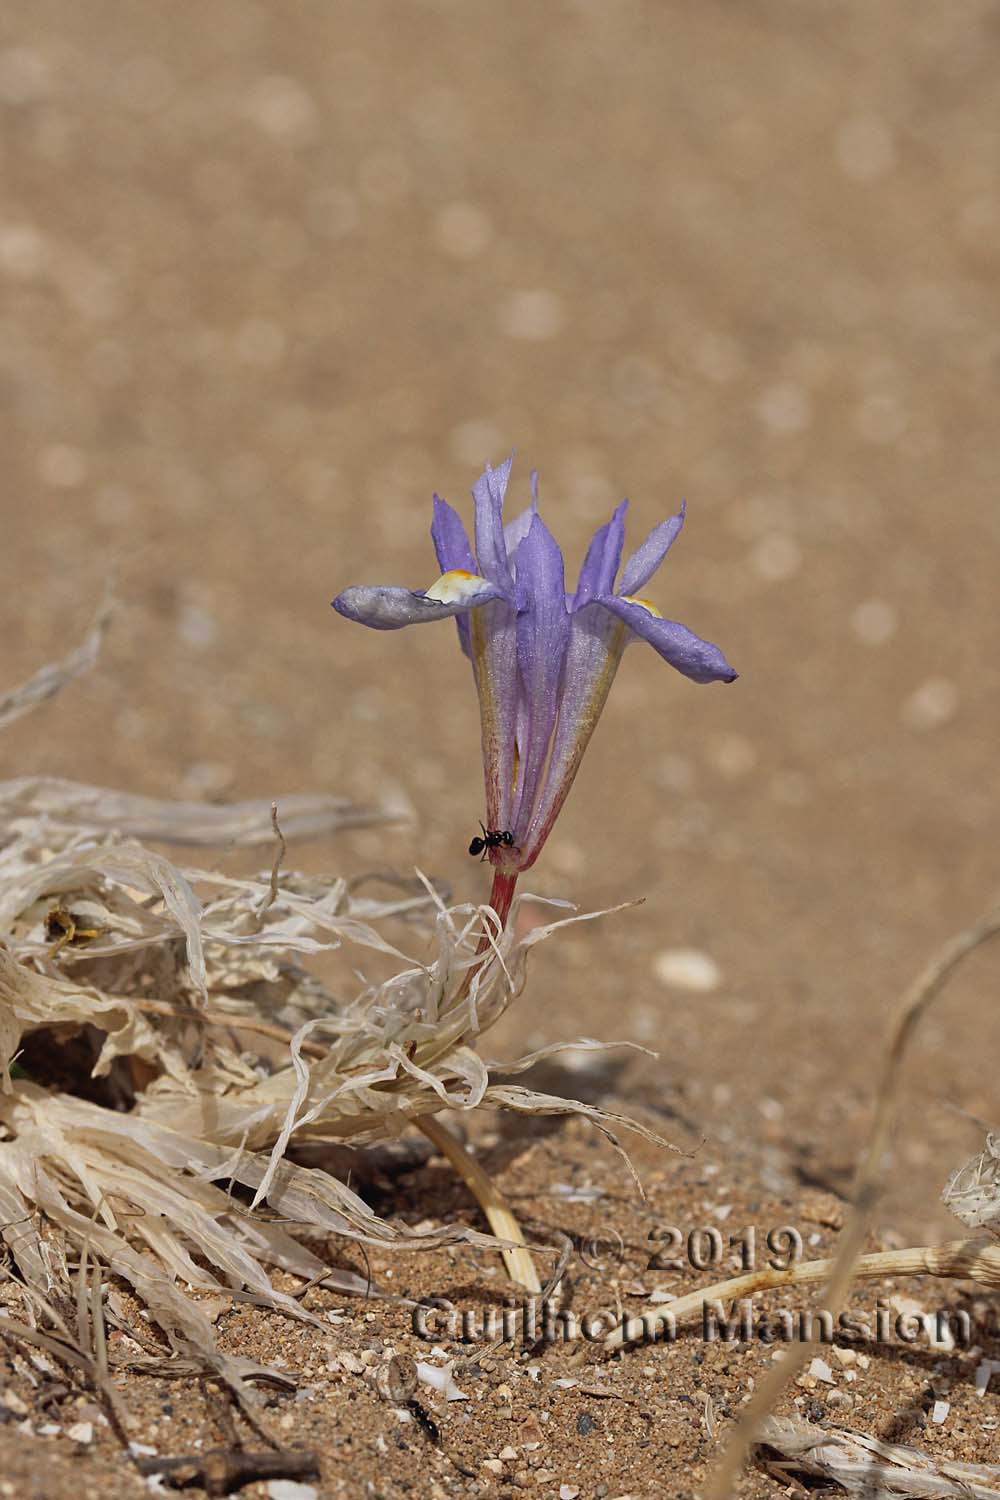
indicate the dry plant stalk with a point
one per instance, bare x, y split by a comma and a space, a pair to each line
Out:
520, 1266
140, 981
867, 1467
54, 676
960, 1260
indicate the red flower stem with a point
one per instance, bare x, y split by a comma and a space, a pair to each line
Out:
501, 897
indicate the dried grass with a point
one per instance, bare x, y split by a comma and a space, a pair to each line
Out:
865, 1466
179, 998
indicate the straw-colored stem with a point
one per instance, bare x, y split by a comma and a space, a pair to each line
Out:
520, 1266
965, 1260
517, 1260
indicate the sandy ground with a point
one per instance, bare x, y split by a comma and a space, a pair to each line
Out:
273, 274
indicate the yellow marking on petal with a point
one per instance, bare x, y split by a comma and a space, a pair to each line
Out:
453, 587
644, 604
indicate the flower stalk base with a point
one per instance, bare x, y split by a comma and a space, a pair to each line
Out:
520, 1266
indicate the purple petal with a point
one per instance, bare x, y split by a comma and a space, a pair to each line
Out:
450, 541
453, 551
543, 628
646, 559
488, 493
594, 649
391, 608
493, 638
597, 576
697, 659
515, 531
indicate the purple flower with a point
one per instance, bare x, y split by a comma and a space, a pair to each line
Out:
543, 660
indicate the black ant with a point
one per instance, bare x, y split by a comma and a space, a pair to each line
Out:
492, 838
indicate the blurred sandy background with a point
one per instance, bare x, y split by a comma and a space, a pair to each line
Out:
271, 274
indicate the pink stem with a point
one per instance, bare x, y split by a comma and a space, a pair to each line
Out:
501, 897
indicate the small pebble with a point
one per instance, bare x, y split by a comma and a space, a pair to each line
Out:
775, 558
784, 408
62, 466
396, 1379
881, 418
874, 622
939, 1411
81, 1432
23, 251
290, 1489
463, 230
820, 1370
933, 704
532, 315
283, 109
687, 969
529, 1434
732, 755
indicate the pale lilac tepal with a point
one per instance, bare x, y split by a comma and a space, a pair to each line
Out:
543, 660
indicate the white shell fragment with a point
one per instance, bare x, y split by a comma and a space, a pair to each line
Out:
291, 1489
439, 1378
931, 705
687, 969
985, 1370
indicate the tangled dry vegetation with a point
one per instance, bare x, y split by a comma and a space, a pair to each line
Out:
163, 1043
167, 1044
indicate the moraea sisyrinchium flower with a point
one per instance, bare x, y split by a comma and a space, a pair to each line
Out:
543, 660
